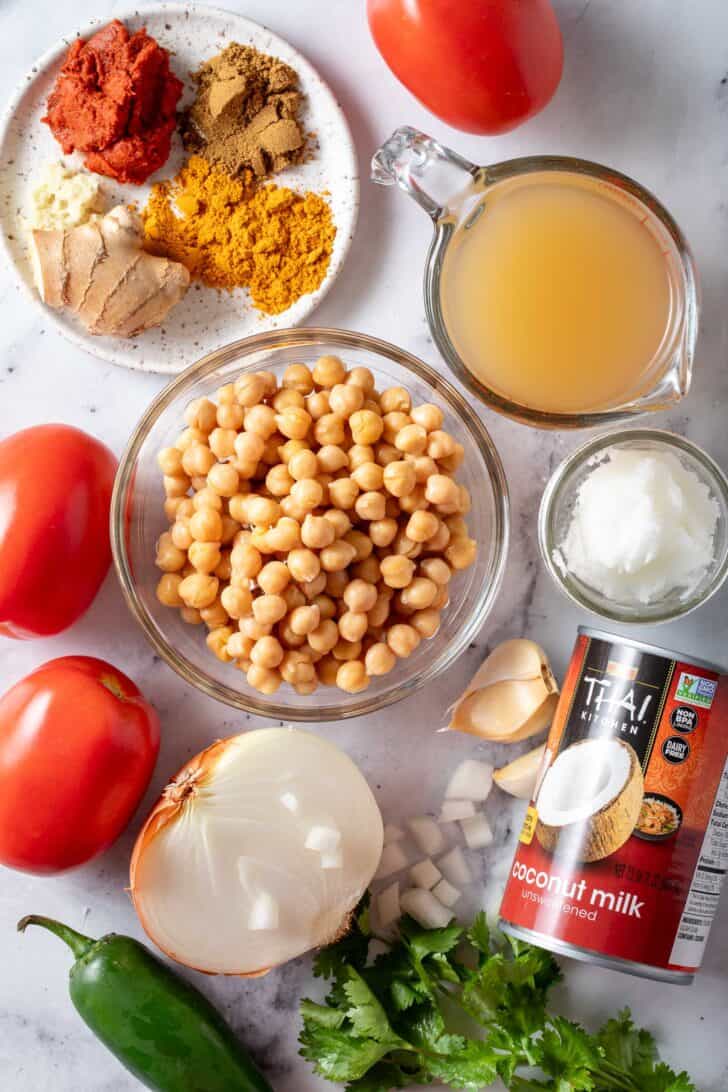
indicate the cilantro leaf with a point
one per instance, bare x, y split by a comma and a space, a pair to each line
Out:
632, 1049
366, 1014
338, 1055
352, 948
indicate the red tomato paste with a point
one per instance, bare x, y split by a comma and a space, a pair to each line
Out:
115, 100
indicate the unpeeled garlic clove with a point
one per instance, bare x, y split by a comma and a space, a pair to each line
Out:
512, 696
519, 777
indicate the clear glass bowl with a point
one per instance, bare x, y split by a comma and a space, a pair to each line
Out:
557, 506
138, 519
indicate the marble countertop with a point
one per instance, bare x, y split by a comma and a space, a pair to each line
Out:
645, 91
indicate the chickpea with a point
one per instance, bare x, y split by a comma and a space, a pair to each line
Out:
441, 600
222, 443
288, 399
254, 630
263, 679
337, 556
368, 476
169, 460
382, 531
440, 539
307, 494
223, 479
317, 532
189, 437
201, 414
419, 594
325, 604
304, 620
249, 447
206, 525
294, 597
412, 439
435, 569
343, 492
261, 420
332, 458
294, 422
366, 426
214, 615
296, 667
325, 636
346, 399
379, 659
198, 459
358, 455
330, 429
440, 444
464, 500
327, 669
403, 640
304, 564
370, 506
269, 609
457, 526
190, 616
247, 560
198, 590
312, 588
168, 590
223, 570
367, 570
399, 478
393, 424
207, 497
405, 546
278, 480
386, 454
303, 464
395, 400
397, 571
424, 467
353, 625
186, 508
263, 511
422, 525
318, 404
338, 520
379, 613
217, 641
328, 371
440, 489
362, 544
170, 559
297, 377
360, 596
238, 602
267, 652
288, 638
361, 377
204, 556
230, 416
249, 390
171, 507
285, 536
273, 578
451, 463
414, 501
352, 677
461, 553
225, 395
239, 647
426, 622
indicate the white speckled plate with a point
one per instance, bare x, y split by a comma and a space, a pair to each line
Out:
205, 319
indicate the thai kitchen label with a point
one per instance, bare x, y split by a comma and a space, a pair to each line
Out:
625, 843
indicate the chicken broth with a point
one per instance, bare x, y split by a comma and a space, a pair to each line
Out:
558, 294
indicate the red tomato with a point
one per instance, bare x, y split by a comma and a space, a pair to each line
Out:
78, 744
55, 494
483, 66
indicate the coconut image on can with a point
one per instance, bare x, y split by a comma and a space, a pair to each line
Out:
589, 800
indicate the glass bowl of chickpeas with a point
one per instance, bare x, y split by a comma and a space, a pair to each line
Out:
310, 524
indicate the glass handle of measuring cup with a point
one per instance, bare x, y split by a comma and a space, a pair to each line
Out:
423, 168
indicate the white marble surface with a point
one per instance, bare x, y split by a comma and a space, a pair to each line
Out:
645, 89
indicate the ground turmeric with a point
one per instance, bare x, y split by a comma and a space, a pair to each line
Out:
231, 232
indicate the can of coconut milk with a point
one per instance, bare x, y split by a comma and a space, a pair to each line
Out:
624, 846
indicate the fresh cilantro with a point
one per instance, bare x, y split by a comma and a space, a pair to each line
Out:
462, 1008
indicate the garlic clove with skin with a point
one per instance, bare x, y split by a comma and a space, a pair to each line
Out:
511, 697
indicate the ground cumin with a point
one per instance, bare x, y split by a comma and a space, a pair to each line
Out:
245, 115
232, 232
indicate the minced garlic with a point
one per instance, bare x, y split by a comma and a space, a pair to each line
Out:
64, 198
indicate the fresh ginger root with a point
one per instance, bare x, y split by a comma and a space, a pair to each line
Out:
101, 273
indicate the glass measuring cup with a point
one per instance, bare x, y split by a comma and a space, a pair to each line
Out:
455, 193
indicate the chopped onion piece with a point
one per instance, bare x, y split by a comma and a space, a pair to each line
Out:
427, 835
455, 868
334, 859
446, 893
392, 833
425, 874
323, 839
452, 810
289, 801
388, 909
471, 781
264, 913
393, 859
477, 831
425, 908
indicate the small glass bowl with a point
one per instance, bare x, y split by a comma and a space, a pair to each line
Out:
137, 520
557, 506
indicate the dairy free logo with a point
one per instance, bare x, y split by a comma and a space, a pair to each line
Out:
696, 690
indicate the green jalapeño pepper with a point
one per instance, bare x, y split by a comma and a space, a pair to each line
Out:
160, 1027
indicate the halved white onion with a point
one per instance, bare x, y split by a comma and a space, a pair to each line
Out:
220, 875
